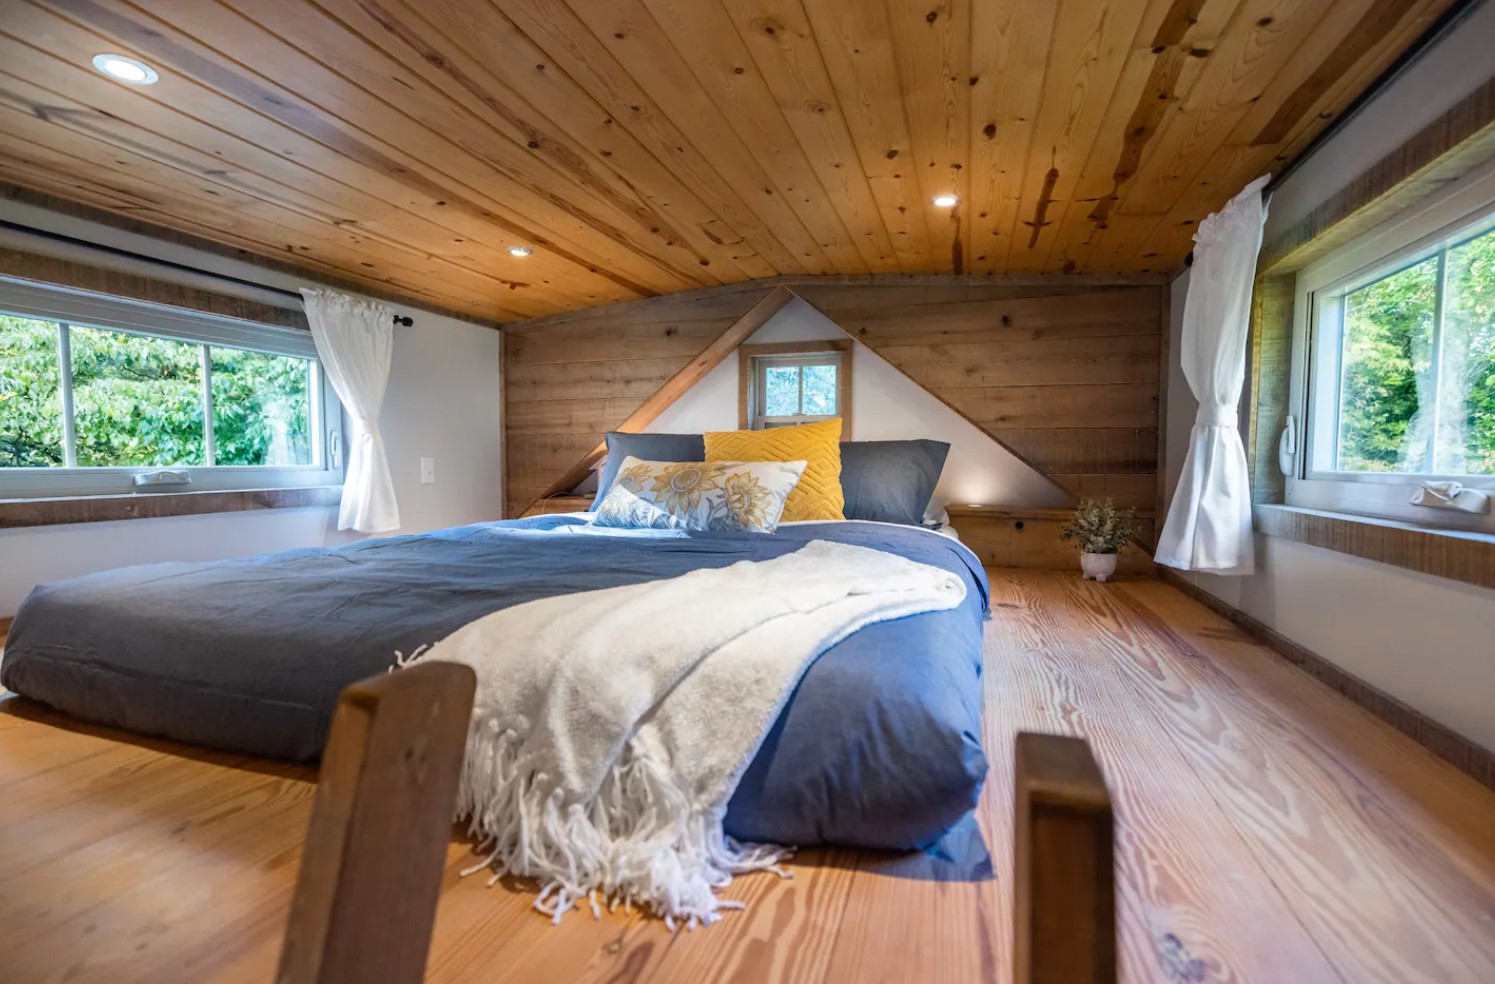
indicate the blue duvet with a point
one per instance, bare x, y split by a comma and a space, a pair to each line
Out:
879, 746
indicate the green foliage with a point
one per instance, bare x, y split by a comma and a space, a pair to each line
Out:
820, 390
138, 401
261, 410
781, 391
1100, 527
30, 407
794, 390
1388, 408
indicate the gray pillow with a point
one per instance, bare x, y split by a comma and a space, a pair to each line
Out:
646, 447
890, 481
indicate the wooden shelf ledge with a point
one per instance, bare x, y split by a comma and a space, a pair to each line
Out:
1459, 555
59, 511
1028, 537
1060, 513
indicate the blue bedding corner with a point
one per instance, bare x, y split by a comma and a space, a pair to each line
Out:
879, 746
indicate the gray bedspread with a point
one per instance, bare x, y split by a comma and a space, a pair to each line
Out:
878, 747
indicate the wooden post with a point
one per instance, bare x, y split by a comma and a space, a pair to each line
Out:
1064, 887
371, 872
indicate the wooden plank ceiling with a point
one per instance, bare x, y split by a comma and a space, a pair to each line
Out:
643, 147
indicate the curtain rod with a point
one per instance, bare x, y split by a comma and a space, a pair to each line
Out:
1440, 29
157, 261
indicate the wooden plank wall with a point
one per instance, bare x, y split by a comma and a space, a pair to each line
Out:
1065, 373
570, 378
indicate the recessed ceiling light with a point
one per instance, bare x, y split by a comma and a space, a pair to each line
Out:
520, 251
946, 201
125, 69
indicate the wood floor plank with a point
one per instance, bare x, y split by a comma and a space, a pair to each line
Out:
1310, 787
1330, 854
1194, 904
1268, 831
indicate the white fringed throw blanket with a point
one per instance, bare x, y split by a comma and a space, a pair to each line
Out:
611, 727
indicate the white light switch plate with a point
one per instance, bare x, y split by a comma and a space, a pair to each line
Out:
428, 471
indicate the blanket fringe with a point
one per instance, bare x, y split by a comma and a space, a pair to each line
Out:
640, 841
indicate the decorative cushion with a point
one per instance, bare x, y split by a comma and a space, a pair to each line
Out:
890, 481
818, 494
699, 495
646, 447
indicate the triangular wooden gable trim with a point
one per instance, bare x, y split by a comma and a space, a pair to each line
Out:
734, 336
949, 406
677, 385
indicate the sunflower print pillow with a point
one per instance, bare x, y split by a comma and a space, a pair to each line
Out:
699, 495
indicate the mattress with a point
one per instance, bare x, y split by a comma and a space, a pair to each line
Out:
878, 747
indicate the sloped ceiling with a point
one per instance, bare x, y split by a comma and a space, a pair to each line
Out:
645, 147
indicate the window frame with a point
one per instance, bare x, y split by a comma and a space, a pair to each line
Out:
1429, 229
73, 308
755, 361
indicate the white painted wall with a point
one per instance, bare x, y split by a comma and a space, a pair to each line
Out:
442, 401
1427, 641
885, 406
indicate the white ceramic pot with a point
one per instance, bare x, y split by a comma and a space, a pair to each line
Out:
1098, 567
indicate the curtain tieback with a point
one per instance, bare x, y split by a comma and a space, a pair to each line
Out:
1213, 416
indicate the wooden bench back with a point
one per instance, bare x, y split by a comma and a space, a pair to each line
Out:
1064, 887
376, 847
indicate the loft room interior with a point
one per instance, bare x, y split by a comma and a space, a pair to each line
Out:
752, 490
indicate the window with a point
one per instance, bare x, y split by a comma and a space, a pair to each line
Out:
794, 383
95, 391
1399, 386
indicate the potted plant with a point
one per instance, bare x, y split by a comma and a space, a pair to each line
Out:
1102, 530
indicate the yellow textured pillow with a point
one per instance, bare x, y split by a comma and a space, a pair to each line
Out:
818, 494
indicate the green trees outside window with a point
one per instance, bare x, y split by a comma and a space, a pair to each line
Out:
140, 401
1417, 367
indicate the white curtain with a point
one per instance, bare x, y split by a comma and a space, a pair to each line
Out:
354, 340
1209, 521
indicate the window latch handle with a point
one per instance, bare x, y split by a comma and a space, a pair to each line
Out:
1287, 446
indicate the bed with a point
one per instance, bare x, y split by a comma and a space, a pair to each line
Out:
878, 747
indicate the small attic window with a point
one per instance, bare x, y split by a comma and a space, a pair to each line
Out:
794, 383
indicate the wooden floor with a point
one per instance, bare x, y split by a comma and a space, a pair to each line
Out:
1268, 830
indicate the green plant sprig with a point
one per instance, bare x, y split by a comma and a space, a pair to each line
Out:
1100, 527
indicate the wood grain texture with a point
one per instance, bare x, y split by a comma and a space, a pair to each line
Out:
379, 827
673, 386
1065, 375
25, 265
1011, 537
1448, 745
1270, 383
151, 505
1449, 147
647, 147
568, 380
1267, 829
1458, 555
1064, 892
551, 505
